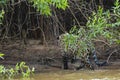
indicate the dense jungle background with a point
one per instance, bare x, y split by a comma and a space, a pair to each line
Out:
31, 30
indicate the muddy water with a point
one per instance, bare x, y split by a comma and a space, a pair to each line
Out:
79, 75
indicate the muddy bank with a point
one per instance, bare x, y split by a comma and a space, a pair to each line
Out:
42, 57
38, 56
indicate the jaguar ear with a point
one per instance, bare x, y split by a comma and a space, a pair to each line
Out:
58, 38
61, 35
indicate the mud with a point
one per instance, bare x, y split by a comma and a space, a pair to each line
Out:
43, 56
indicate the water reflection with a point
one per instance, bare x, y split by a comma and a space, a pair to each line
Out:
79, 75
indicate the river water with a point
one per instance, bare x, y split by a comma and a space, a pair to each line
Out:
78, 75
75, 75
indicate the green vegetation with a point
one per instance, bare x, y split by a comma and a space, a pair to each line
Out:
1, 55
20, 69
1, 16
2, 12
44, 6
100, 24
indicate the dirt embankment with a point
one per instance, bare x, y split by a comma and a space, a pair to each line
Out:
39, 56
34, 54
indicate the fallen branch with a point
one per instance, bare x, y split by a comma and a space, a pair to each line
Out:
110, 55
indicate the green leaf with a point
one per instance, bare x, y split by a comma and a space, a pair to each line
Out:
1, 55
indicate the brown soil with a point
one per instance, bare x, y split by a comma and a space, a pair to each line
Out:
36, 55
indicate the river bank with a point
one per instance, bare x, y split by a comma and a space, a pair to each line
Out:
44, 58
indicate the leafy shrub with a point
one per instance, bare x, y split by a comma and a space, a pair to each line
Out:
100, 24
20, 68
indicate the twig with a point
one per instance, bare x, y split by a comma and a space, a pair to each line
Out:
110, 55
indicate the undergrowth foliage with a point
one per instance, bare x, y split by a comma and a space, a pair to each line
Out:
99, 24
20, 69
